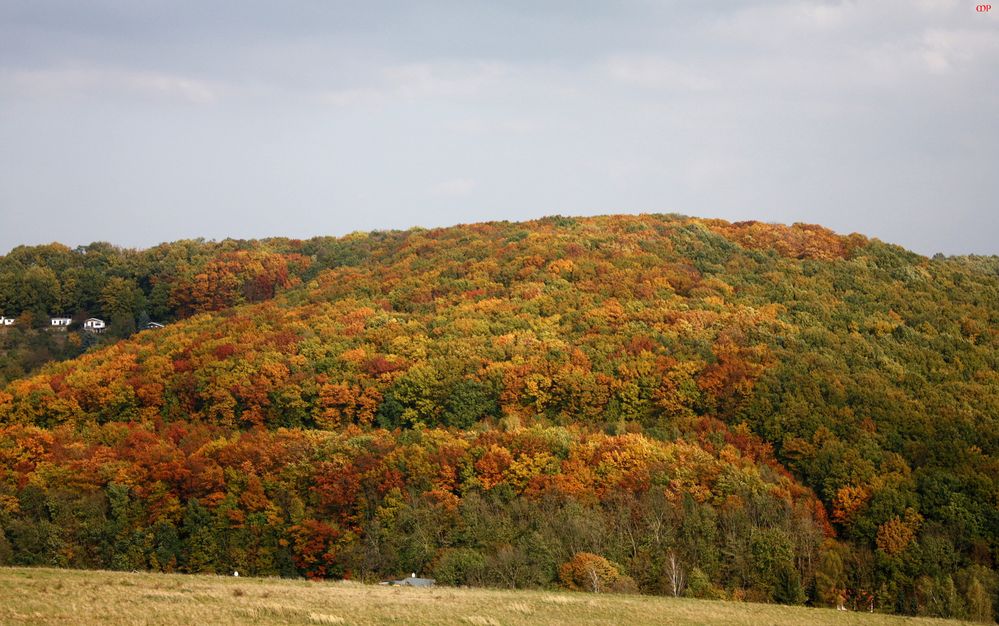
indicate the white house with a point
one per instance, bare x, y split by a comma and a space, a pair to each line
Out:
60, 322
152, 326
94, 325
7, 321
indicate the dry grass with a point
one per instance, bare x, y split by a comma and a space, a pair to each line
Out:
319, 618
49, 596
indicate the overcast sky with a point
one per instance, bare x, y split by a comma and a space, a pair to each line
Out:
139, 121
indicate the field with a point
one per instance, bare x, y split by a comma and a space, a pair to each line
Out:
50, 596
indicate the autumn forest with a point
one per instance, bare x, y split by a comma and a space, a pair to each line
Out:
654, 404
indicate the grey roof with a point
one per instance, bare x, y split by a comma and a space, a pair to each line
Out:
414, 582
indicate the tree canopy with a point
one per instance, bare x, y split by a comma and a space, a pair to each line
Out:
745, 410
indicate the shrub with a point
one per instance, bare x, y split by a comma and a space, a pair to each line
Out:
592, 572
459, 566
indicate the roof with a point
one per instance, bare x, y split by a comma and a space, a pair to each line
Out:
414, 582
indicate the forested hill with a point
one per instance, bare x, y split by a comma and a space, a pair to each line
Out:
747, 410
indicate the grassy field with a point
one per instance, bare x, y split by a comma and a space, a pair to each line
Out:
49, 596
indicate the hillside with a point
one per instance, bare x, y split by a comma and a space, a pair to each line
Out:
741, 410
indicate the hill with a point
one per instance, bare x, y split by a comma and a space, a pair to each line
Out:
742, 410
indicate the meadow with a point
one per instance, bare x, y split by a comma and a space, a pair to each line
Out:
53, 596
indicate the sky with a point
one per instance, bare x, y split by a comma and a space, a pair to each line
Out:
140, 121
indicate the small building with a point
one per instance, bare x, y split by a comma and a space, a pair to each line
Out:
61, 323
94, 325
152, 326
8, 321
412, 581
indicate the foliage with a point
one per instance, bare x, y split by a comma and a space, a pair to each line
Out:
375, 504
659, 385
592, 572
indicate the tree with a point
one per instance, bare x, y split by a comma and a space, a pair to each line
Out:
591, 572
830, 578
676, 575
468, 402
979, 602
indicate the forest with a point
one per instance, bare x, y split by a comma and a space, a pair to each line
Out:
654, 403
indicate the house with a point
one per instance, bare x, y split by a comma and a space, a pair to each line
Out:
7, 321
94, 325
60, 323
152, 326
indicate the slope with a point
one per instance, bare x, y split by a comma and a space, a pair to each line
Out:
867, 371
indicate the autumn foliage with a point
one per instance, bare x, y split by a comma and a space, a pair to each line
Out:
745, 410
592, 572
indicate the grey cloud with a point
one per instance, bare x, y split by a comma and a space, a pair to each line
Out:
141, 122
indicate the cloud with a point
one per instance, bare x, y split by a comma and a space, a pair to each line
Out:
479, 126
943, 50
656, 72
455, 187
773, 24
61, 81
937, 6
416, 81
352, 96
754, 107
937, 51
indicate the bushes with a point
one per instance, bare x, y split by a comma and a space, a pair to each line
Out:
590, 572
700, 586
459, 566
